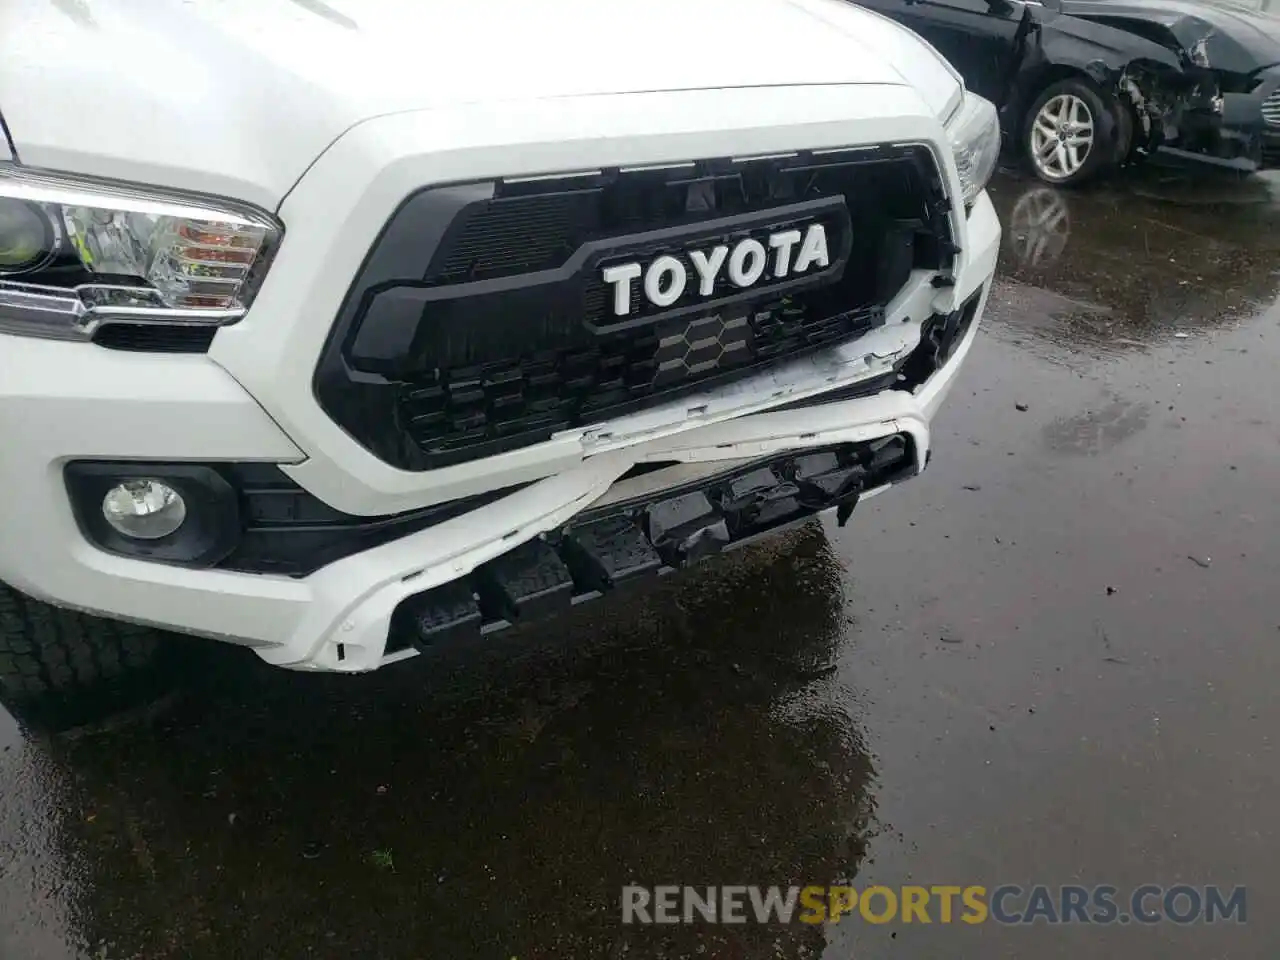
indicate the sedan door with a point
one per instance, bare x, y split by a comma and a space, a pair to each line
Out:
980, 38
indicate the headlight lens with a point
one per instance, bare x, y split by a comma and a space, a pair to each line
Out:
75, 254
975, 140
26, 236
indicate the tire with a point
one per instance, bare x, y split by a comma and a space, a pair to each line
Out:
1066, 158
64, 668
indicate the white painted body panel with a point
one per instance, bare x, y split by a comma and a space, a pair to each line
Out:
236, 98
298, 623
329, 114
337, 211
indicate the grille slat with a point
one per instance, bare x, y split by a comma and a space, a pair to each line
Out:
1271, 108
510, 238
155, 338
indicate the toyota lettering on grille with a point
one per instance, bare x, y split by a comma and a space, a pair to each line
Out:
664, 280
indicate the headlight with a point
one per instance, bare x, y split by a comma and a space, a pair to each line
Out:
975, 140
75, 254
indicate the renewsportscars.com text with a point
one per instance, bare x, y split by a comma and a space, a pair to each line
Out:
1006, 904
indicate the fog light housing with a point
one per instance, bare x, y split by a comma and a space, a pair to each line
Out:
179, 513
144, 509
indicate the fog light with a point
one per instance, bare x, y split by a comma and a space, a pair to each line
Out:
144, 509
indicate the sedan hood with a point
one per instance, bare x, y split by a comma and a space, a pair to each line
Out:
238, 97
1227, 37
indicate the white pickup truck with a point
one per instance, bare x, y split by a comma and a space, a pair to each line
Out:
339, 329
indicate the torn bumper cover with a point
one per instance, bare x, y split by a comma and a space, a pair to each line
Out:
583, 533
311, 587
649, 534
607, 547
1233, 127
1190, 114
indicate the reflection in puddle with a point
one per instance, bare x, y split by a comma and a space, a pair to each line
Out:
1197, 188
40, 886
1039, 226
1129, 264
496, 804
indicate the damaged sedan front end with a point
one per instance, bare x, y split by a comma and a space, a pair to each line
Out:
1085, 86
1141, 84
1227, 106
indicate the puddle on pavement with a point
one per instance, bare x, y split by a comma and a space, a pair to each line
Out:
483, 807
700, 733
1138, 260
40, 878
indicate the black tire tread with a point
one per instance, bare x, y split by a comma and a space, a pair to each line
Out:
50, 650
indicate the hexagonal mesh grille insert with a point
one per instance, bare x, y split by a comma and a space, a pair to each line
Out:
702, 346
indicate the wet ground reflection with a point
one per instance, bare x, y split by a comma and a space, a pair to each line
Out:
40, 871
1008, 668
696, 733
1156, 253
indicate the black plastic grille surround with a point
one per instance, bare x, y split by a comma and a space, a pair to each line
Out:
481, 322
283, 529
248, 517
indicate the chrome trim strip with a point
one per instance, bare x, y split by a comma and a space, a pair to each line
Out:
57, 314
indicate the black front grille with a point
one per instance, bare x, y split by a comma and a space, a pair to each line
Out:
479, 410
481, 321
518, 235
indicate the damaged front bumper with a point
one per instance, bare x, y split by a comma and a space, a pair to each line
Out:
1232, 133
621, 542
605, 524
643, 524
821, 433
1196, 120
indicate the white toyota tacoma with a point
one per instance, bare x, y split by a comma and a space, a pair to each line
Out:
342, 328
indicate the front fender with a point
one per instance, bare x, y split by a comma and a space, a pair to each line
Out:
1064, 45
1101, 52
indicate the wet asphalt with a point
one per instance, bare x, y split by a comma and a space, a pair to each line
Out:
1050, 659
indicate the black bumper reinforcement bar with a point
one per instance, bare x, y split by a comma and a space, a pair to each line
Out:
626, 541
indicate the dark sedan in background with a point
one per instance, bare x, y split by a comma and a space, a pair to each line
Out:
1085, 86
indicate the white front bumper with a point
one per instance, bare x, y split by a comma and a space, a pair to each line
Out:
250, 399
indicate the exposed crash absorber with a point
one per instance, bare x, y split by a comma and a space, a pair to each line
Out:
624, 542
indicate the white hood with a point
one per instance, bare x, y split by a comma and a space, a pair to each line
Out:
247, 93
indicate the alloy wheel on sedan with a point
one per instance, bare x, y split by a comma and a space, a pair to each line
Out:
1062, 137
